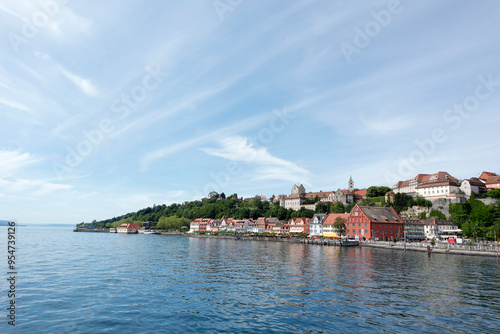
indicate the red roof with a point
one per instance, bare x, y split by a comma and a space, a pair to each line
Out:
330, 219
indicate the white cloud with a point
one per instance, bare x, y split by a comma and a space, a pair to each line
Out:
12, 161
269, 167
83, 84
14, 104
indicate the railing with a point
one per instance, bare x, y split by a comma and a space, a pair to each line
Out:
484, 247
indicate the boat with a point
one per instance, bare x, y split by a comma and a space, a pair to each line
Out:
151, 232
112, 230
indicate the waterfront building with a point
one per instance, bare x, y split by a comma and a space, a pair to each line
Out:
316, 226
241, 226
413, 229
128, 228
439, 229
379, 223
299, 225
329, 231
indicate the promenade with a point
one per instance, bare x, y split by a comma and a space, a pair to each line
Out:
490, 249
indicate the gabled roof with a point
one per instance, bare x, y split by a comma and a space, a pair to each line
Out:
474, 181
485, 175
380, 214
493, 179
434, 221
129, 226
438, 183
330, 219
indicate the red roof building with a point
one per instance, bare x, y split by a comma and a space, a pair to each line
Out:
379, 223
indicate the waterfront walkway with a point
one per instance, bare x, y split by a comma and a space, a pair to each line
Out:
478, 249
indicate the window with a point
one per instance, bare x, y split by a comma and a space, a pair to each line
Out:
359, 224
366, 231
366, 224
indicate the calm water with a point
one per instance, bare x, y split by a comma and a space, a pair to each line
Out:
96, 283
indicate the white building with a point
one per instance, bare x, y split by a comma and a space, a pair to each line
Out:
316, 225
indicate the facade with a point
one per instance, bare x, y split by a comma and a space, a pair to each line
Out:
316, 226
379, 223
410, 186
439, 189
493, 182
440, 229
414, 229
299, 225
471, 185
128, 228
241, 226
329, 230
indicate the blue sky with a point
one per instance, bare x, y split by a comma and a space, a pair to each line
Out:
108, 107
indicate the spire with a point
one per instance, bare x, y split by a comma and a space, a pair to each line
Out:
351, 184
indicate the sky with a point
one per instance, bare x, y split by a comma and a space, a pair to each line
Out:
108, 107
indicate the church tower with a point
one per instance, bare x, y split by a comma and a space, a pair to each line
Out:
351, 184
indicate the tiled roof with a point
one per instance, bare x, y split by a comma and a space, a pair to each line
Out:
485, 175
493, 179
439, 222
330, 219
474, 181
438, 183
382, 214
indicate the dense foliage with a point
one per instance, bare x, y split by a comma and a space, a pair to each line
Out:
377, 191
476, 218
403, 201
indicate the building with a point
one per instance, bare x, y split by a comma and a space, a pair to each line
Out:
241, 226
440, 189
128, 228
414, 229
410, 186
316, 225
379, 223
441, 229
299, 225
493, 182
329, 231
485, 176
296, 198
471, 185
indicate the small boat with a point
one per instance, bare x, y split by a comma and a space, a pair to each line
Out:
151, 232
112, 230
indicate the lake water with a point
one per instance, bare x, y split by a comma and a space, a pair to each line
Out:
109, 283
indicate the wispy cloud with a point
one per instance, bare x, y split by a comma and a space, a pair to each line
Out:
269, 167
83, 84
11, 162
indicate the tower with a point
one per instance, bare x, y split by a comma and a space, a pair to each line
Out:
351, 184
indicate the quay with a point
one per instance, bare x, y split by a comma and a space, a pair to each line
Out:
326, 242
487, 249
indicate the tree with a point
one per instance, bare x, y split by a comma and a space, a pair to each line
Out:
321, 208
493, 193
375, 191
339, 225
213, 194
437, 214
349, 207
222, 195
338, 208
